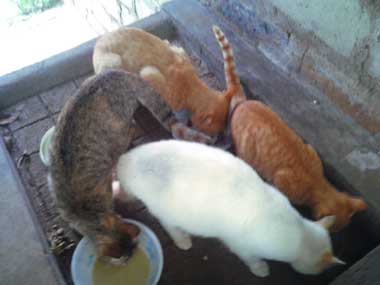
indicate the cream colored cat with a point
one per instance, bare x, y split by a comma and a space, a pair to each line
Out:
196, 189
169, 71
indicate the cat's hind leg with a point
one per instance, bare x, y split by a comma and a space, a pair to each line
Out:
108, 61
182, 132
178, 50
181, 239
154, 78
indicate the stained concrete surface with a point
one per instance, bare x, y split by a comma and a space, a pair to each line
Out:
23, 259
364, 272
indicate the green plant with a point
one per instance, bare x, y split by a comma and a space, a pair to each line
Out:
32, 6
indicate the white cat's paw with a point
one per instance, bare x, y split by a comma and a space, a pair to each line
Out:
260, 268
184, 242
181, 239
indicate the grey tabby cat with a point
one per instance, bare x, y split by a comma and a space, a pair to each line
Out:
93, 130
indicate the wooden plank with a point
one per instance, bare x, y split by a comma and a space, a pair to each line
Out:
364, 272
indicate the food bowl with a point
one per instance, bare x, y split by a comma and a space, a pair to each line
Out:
45, 146
84, 257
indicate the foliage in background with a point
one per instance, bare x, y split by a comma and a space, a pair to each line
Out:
32, 6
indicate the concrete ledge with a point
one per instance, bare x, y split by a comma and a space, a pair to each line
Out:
364, 272
24, 254
66, 66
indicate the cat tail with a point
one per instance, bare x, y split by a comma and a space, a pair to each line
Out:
232, 80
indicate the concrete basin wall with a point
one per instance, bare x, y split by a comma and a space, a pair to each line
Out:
332, 45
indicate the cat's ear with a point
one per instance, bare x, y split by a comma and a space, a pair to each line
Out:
358, 205
336, 261
320, 211
328, 261
327, 222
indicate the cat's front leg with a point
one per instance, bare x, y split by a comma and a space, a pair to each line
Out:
182, 132
258, 267
181, 239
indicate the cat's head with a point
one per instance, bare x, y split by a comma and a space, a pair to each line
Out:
116, 238
316, 251
113, 251
212, 120
209, 107
211, 115
340, 205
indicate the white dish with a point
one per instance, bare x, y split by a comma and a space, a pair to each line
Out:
84, 257
45, 146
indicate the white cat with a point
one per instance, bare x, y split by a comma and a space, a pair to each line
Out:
200, 190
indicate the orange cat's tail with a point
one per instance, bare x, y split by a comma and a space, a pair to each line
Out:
232, 80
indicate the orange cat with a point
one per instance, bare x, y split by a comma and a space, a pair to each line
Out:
169, 71
234, 92
264, 141
275, 151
